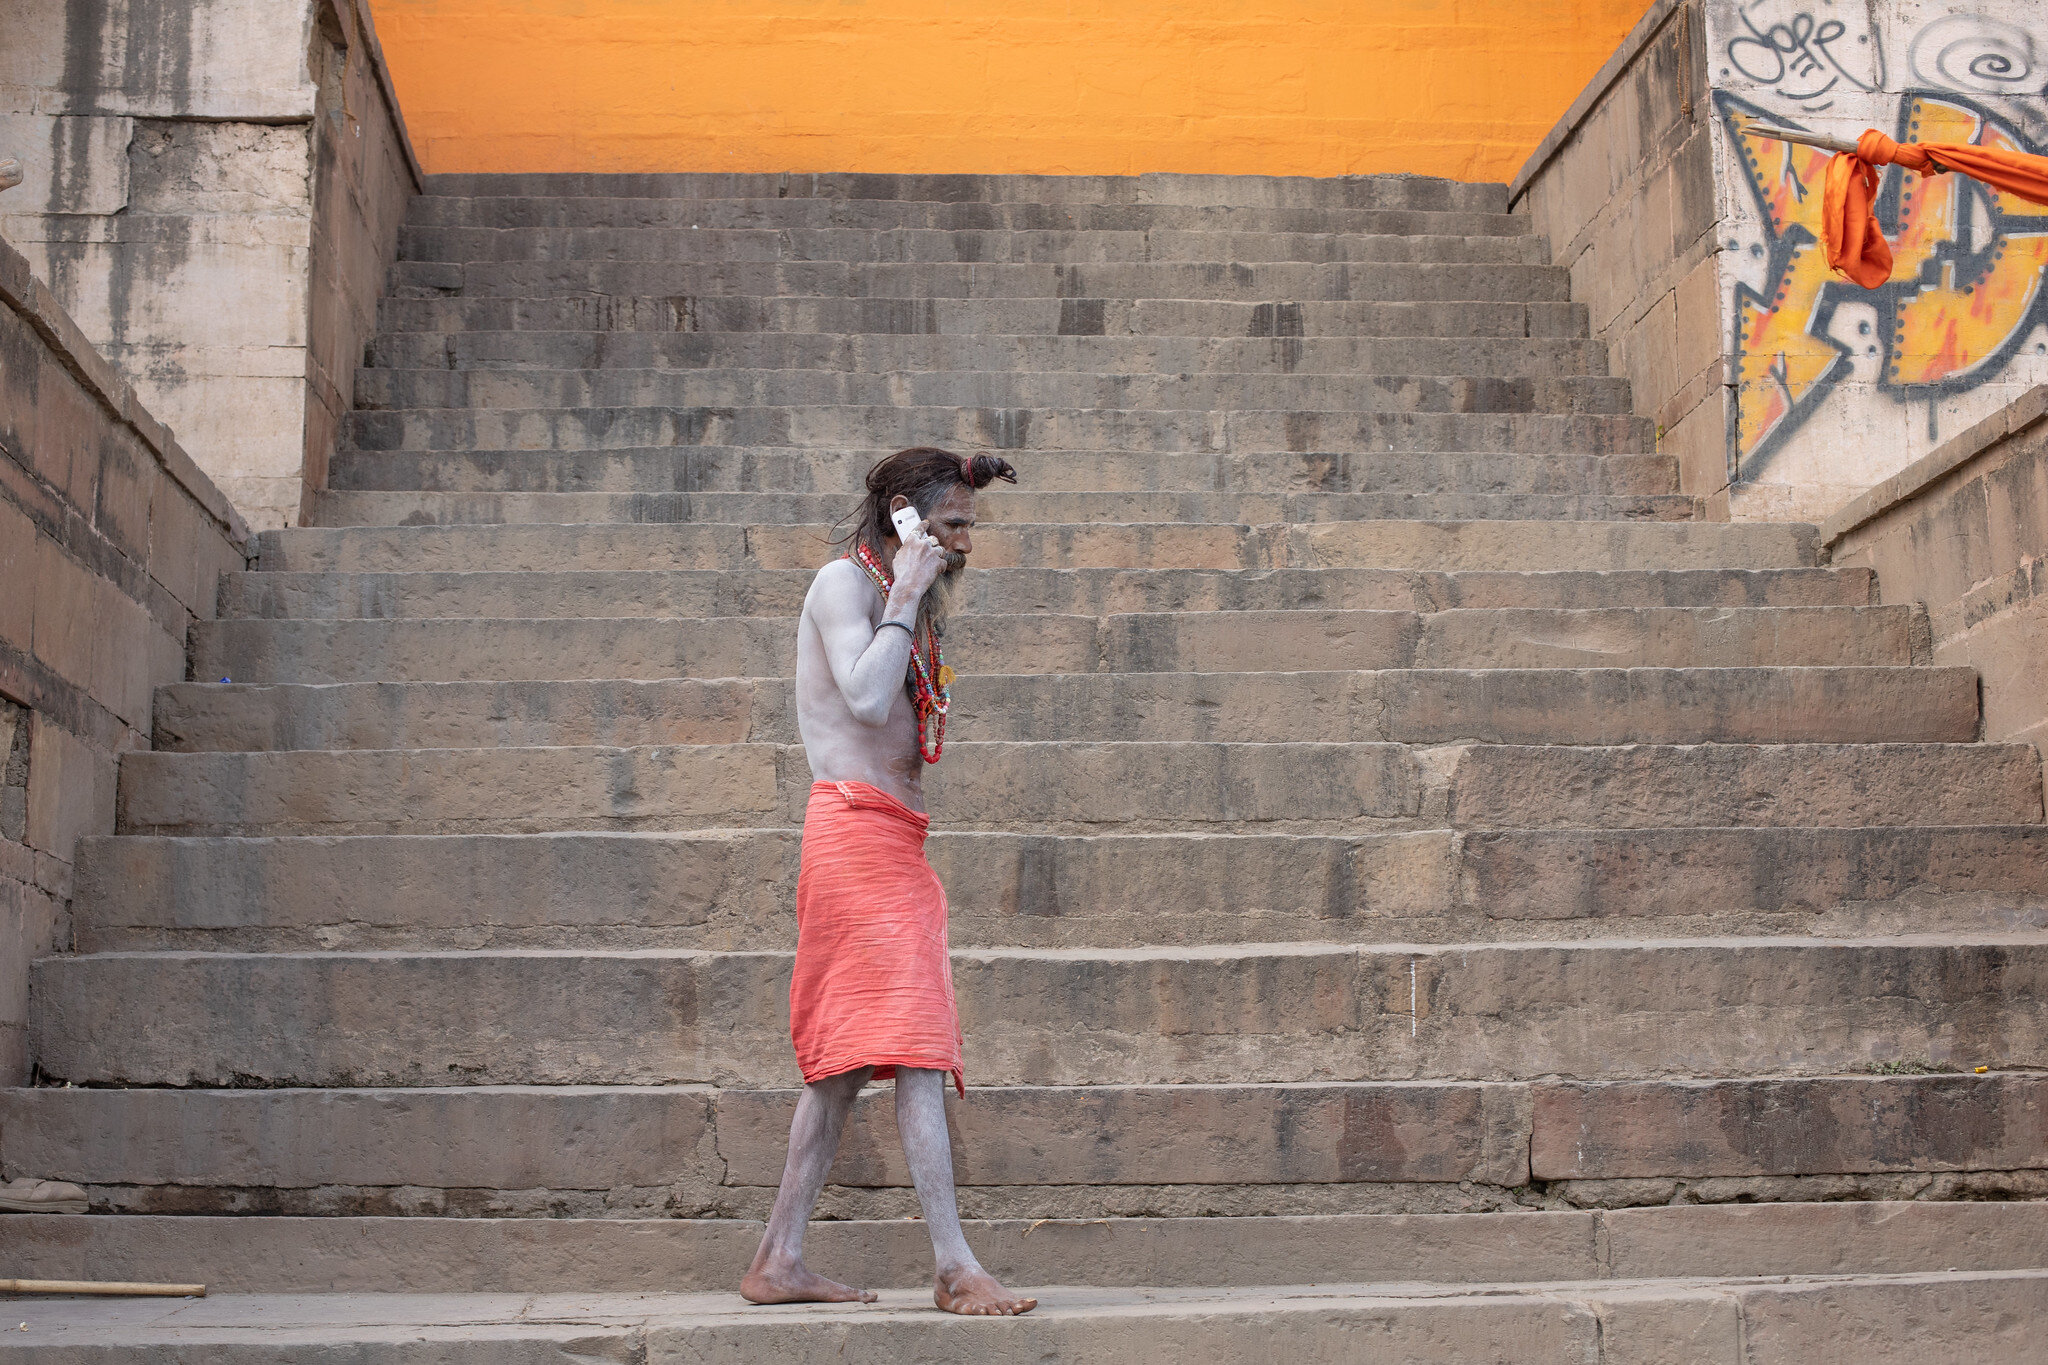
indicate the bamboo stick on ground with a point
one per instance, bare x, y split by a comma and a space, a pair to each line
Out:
111, 1288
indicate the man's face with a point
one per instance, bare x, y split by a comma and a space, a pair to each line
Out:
952, 524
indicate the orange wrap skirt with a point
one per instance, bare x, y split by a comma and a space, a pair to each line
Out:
873, 984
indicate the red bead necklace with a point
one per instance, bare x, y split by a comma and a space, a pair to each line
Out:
931, 682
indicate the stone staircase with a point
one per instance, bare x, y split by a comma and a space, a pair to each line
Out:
1390, 838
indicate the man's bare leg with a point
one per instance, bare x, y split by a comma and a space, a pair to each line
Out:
963, 1286
778, 1274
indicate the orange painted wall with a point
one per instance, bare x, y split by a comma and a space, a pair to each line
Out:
1462, 88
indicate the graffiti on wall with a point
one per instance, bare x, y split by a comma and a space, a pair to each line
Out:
1969, 263
1977, 54
1807, 58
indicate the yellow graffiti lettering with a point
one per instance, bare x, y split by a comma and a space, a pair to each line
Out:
1928, 204
1951, 327
1949, 331
1779, 361
1957, 301
1786, 176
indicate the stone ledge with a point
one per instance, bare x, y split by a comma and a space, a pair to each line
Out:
1646, 30
1909, 483
392, 108
28, 296
518, 1255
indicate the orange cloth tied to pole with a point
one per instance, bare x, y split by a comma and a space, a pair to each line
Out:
873, 984
1855, 244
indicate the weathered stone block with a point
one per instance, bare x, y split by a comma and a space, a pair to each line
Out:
73, 164
1670, 1327
1806, 1127
20, 557
1168, 1135
187, 552
181, 168
505, 1138
1698, 319
70, 789
67, 598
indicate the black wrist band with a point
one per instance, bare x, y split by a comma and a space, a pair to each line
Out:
900, 626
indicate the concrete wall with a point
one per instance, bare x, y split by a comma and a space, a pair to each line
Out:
192, 167
111, 541
364, 175
1283, 87
1804, 390
1964, 531
1837, 387
1624, 188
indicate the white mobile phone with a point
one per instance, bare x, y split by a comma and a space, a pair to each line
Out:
908, 523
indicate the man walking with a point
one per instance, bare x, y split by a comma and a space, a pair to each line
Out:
872, 994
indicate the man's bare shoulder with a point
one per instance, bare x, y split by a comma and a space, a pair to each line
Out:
839, 590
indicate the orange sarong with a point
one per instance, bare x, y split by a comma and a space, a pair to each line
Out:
873, 984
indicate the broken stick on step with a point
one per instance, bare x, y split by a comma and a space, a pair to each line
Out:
110, 1288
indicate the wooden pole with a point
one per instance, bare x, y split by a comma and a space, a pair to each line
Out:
106, 1287
1832, 144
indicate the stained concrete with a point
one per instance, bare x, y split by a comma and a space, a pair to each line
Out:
213, 191
1386, 838
111, 543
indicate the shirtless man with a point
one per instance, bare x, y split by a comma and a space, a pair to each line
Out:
872, 992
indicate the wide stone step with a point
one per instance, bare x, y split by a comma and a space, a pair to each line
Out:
718, 212
726, 469
1902, 1318
1054, 787
1239, 431
992, 246
1084, 592
1519, 706
619, 1151
1206, 319
1403, 390
1257, 191
410, 508
1231, 642
332, 1256
1444, 547
1494, 357
729, 890
716, 1149
1593, 1010
1334, 282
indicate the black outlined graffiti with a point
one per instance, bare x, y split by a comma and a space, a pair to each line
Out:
1800, 56
1969, 266
1981, 56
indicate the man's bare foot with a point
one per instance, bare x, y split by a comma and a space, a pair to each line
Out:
975, 1293
793, 1282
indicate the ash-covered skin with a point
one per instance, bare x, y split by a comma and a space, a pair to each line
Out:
853, 709
858, 724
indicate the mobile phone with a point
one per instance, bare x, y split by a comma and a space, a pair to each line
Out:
908, 523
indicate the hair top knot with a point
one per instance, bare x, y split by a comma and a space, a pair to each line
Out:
923, 475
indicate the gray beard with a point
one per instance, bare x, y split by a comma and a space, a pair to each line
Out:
937, 603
